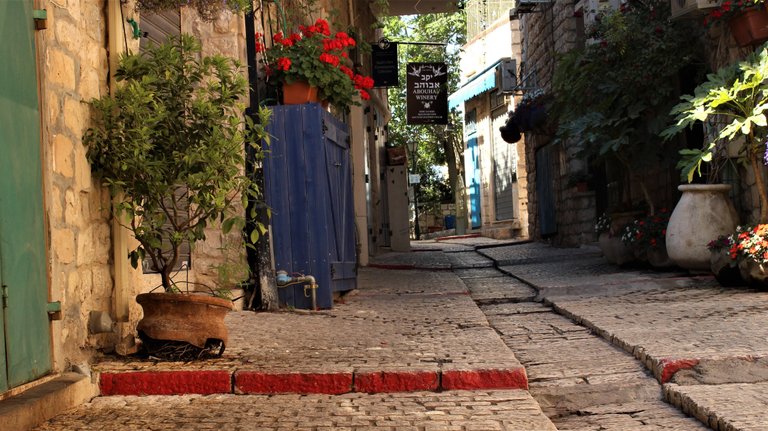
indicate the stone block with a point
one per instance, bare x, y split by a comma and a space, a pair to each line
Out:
61, 69
62, 155
63, 244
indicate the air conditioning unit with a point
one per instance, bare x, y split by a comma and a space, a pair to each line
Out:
506, 75
692, 8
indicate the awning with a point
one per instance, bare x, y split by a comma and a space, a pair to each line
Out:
480, 83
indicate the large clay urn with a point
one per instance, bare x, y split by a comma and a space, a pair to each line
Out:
703, 213
192, 318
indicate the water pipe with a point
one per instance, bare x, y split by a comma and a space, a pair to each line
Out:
283, 280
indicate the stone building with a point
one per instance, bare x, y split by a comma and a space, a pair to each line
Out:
496, 182
69, 263
567, 193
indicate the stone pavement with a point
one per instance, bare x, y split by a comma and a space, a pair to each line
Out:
411, 411
708, 345
602, 346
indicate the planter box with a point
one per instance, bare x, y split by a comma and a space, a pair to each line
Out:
750, 28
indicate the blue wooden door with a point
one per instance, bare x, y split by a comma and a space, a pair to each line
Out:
24, 327
308, 187
341, 214
472, 161
545, 189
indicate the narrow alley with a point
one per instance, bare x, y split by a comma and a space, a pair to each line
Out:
437, 339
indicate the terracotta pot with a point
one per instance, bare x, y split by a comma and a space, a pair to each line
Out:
703, 213
195, 319
750, 27
300, 92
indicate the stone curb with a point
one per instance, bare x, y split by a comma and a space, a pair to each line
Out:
207, 382
408, 266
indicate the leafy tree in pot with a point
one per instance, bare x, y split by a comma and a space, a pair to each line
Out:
613, 96
169, 144
735, 98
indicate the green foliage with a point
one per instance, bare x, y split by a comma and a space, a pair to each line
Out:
169, 144
734, 99
613, 96
448, 28
208, 10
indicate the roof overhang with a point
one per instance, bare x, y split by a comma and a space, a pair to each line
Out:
419, 7
480, 83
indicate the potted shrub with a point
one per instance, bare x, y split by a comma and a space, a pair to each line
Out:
169, 145
734, 99
313, 65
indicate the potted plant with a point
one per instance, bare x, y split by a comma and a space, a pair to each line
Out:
647, 237
613, 248
169, 145
747, 249
747, 20
208, 10
733, 99
531, 113
314, 65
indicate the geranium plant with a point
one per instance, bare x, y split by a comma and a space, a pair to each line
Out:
747, 243
647, 232
318, 57
729, 9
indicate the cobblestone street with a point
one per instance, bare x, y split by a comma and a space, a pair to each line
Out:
472, 334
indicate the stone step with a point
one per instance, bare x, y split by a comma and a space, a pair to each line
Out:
44, 401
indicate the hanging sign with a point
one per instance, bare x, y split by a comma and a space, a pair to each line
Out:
427, 93
384, 65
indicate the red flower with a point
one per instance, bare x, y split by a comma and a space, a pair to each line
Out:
283, 64
287, 43
330, 59
347, 71
260, 47
364, 95
277, 37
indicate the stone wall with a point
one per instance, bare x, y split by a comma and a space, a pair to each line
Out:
73, 68
549, 31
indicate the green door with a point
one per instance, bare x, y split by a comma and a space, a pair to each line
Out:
25, 351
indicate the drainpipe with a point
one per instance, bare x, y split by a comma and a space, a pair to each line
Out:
122, 292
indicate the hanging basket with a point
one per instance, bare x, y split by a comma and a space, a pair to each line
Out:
750, 28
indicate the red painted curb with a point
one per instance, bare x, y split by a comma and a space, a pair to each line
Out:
254, 382
166, 383
485, 379
396, 381
670, 366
